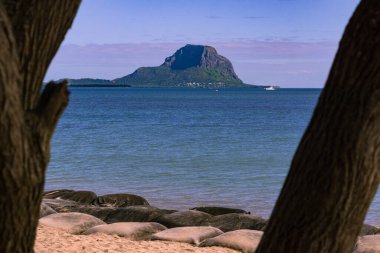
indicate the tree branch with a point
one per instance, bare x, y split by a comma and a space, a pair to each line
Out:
52, 103
39, 27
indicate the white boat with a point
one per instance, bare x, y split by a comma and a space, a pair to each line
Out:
269, 88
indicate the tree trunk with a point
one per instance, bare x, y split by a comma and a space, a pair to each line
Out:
335, 172
30, 34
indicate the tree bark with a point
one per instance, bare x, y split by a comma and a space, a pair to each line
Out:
30, 34
335, 171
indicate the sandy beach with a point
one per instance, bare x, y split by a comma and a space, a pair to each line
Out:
52, 240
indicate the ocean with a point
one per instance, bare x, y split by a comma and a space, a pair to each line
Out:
182, 148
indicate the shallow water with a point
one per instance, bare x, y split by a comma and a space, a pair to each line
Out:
181, 148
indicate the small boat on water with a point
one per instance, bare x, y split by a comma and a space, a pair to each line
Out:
269, 88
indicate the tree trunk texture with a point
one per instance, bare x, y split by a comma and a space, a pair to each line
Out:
335, 172
30, 34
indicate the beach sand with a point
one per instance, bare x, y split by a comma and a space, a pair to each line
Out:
52, 240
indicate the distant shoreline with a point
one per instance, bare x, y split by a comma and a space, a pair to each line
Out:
174, 86
181, 87
153, 87
100, 85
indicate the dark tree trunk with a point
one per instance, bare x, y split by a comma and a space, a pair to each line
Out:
336, 170
30, 34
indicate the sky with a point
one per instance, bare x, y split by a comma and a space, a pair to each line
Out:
290, 43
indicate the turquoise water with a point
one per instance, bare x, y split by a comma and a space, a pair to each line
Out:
181, 148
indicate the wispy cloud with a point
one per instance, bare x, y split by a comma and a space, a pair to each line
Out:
226, 17
213, 17
254, 17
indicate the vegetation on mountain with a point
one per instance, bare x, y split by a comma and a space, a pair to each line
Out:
190, 66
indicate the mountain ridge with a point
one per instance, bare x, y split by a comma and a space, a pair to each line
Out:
190, 66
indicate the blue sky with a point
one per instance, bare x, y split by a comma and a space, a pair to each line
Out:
290, 43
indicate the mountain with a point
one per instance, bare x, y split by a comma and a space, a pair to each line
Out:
189, 66
88, 81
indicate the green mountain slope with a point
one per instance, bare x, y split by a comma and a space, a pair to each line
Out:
190, 66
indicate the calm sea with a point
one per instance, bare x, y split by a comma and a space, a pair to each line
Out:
182, 148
